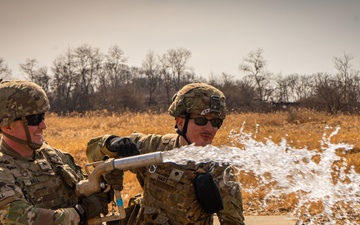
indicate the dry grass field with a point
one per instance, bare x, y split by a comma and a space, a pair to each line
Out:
302, 128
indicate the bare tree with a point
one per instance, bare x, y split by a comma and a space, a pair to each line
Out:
328, 92
254, 66
112, 78
214, 80
166, 78
245, 95
5, 72
347, 80
36, 74
177, 60
304, 87
75, 76
88, 61
226, 83
285, 88
152, 71
64, 84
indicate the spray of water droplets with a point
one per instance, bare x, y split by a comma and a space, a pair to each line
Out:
283, 170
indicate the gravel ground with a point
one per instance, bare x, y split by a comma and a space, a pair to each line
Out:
265, 220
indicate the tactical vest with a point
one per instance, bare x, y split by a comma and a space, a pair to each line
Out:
47, 181
160, 205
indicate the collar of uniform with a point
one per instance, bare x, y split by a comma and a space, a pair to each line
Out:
6, 149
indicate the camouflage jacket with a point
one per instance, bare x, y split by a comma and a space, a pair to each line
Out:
40, 189
169, 196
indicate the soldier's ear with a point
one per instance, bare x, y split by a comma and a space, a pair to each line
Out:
6, 129
180, 122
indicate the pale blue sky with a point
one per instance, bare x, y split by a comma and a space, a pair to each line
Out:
296, 36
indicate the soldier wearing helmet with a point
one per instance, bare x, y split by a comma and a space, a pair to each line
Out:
176, 194
37, 181
198, 103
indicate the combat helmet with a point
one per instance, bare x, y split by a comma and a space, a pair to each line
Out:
198, 98
20, 99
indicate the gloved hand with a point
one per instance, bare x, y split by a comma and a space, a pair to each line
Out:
115, 179
93, 205
123, 146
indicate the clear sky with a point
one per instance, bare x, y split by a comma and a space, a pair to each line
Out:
297, 36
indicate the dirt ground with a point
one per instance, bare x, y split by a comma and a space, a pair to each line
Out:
265, 220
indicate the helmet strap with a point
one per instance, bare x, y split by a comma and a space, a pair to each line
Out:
28, 142
31, 144
183, 132
14, 138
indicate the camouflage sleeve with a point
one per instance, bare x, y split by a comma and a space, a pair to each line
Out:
146, 143
14, 209
230, 190
96, 149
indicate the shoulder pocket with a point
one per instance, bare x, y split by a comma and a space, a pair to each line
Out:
68, 175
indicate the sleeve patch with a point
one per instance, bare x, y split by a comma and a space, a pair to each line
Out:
6, 194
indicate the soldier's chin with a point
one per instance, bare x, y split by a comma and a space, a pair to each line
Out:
39, 141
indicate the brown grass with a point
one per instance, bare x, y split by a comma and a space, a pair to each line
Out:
301, 128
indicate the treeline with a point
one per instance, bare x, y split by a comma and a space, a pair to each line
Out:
85, 79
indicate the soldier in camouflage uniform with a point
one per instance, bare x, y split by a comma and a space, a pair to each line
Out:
180, 194
37, 181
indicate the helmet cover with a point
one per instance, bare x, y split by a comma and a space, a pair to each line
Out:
198, 98
21, 98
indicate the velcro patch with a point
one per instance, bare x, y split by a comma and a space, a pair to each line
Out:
44, 165
163, 179
6, 194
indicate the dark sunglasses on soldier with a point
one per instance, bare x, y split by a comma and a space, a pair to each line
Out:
202, 121
34, 120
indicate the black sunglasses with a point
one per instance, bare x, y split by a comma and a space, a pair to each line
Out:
34, 120
202, 121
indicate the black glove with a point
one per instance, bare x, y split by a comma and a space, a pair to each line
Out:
93, 205
115, 179
123, 146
